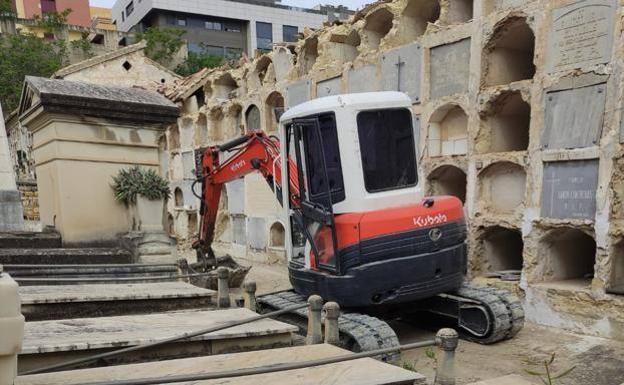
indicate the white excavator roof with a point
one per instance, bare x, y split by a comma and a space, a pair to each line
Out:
356, 102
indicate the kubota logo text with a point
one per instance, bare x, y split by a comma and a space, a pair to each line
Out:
238, 165
429, 220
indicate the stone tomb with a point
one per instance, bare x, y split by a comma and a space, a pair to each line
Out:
450, 68
400, 69
582, 34
569, 189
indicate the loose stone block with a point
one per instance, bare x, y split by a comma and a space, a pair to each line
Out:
569, 189
363, 79
582, 34
298, 92
450, 68
401, 70
574, 117
329, 87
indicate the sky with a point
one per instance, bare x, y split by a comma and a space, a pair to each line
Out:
352, 4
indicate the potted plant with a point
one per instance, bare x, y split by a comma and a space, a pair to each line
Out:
146, 191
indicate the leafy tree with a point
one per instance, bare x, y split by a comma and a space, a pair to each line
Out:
6, 9
22, 55
162, 43
197, 61
52, 22
83, 44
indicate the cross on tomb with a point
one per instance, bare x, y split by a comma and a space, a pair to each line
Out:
399, 64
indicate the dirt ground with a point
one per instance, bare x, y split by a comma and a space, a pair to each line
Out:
596, 361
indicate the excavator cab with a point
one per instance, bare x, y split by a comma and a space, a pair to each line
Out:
361, 214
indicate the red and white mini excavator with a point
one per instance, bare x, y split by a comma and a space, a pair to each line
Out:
358, 229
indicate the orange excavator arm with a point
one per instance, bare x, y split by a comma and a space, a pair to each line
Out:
253, 152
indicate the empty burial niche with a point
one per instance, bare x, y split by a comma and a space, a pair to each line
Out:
505, 126
448, 180
508, 55
448, 131
416, 16
192, 224
215, 132
503, 249
252, 118
262, 68
460, 11
170, 225
378, 24
277, 235
501, 187
235, 122
569, 255
309, 54
344, 47
274, 107
224, 86
174, 137
616, 285
179, 197
201, 129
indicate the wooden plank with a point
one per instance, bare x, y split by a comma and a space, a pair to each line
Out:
362, 372
30, 295
117, 332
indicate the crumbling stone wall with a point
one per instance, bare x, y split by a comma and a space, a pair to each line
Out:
518, 106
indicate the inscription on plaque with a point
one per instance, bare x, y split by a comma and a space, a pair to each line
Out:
401, 70
363, 79
569, 189
582, 34
298, 92
450, 68
574, 117
329, 87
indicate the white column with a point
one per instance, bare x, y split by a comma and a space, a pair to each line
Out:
11, 212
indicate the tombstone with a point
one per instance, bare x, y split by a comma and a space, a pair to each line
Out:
236, 196
188, 164
569, 189
574, 117
401, 70
450, 68
257, 236
362, 79
329, 87
281, 63
582, 35
298, 92
11, 212
239, 233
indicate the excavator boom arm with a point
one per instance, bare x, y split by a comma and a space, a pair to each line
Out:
253, 152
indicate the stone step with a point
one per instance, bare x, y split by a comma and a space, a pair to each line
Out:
50, 342
64, 256
112, 270
30, 240
79, 301
364, 371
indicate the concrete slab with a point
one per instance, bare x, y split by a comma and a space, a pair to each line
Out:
47, 342
512, 379
361, 372
45, 256
74, 301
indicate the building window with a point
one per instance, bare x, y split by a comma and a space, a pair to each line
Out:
123, 16
195, 48
48, 6
195, 22
130, 8
213, 25
290, 33
264, 36
181, 21
232, 27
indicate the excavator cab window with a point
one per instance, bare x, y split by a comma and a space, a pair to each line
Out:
387, 148
312, 142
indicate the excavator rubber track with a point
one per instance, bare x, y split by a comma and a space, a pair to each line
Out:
358, 332
361, 332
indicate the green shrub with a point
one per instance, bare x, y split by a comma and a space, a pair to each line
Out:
139, 181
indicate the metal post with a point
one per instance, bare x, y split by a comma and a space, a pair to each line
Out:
315, 333
223, 287
332, 312
446, 340
249, 295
